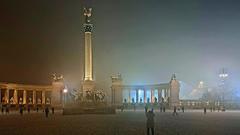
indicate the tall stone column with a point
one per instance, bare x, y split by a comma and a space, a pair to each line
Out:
34, 97
15, 96
43, 97
24, 97
88, 82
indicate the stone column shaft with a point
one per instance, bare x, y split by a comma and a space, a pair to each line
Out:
24, 97
15, 96
34, 97
129, 95
137, 96
43, 97
145, 98
88, 57
152, 96
159, 95
165, 93
7, 96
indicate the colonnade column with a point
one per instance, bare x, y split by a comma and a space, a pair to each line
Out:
24, 97
15, 96
129, 95
34, 97
43, 97
137, 96
159, 95
152, 96
165, 93
144, 93
6, 96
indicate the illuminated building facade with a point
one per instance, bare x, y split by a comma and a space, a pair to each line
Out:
33, 95
167, 93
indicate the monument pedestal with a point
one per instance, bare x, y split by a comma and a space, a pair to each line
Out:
88, 85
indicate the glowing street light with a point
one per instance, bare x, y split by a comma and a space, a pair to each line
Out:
65, 91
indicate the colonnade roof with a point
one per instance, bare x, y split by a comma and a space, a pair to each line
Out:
160, 86
24, 86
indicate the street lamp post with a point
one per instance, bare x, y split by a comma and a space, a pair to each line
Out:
65, 90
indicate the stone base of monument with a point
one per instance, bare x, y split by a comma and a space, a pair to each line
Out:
88, 108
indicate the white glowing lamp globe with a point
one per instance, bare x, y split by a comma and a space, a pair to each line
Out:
65, 90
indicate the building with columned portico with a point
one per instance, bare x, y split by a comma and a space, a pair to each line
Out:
167, 93
32, 95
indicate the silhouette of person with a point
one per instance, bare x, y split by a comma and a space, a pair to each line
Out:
175, 111
21, 110
205, 110
28, 109
7, 110
2, 109
150, 121
183, 109
146, 108
122, 107
46, 111
52, 110
37, 109
160, 107
164, 109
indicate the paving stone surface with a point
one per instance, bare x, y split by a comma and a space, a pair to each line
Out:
123, 123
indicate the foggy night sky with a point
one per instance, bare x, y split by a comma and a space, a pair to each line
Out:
145, 41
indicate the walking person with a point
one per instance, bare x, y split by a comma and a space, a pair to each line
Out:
21, 110
2, 109
175, 111
122, 107
150, 121
183, 109
52, 110
205, 110
160, 108
7, 109
46, 111
28, 109
146, 108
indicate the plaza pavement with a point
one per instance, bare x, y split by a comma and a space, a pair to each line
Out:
123, 123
